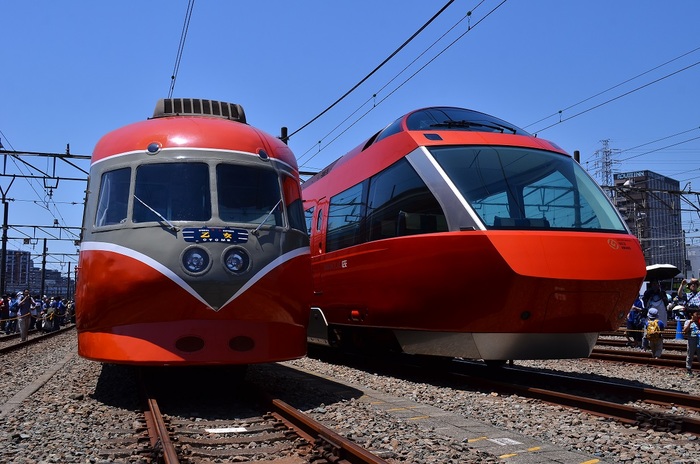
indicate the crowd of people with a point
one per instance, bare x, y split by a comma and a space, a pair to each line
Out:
650, 315
21, 312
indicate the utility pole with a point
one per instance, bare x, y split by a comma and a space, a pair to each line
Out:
604, 165
43, 270
3, 255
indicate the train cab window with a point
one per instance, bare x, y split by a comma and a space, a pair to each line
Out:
251, 195
113, 199
308, 217
399, 203
517, 188
345, 218
175, 191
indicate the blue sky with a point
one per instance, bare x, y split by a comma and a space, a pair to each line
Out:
74, 70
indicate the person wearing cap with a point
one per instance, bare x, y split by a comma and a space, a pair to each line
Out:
692, 330
691, 298
656, 343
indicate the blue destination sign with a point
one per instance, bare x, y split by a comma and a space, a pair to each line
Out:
214, 234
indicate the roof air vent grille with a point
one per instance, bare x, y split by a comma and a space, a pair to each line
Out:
198, 107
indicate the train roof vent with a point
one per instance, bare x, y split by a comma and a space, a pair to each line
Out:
198, 107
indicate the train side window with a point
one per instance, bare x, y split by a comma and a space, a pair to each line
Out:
113, 199
319, 220
308, 217
345, 218
400, 203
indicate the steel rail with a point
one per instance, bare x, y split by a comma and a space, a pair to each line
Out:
313, 431
157, 429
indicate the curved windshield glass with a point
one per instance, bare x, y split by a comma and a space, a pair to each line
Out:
518, 188
448, 118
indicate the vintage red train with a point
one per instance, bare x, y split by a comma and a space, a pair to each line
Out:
454, 233
194, 249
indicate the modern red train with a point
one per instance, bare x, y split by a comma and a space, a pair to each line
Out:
454, 233
194, 248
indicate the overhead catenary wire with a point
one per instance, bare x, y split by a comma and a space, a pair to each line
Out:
415, 34
181, 47
613, 87
470, 28
655, 81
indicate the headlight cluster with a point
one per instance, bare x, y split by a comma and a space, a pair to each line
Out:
196, 261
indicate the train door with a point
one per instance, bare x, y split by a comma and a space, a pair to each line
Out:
318, 325
315, 212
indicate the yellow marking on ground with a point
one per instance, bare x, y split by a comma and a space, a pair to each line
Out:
592, 461
402, 409
472, 440
418, 417
506, 456
534, 448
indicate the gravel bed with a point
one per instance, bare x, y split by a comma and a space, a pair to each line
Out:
575, 431
70, 417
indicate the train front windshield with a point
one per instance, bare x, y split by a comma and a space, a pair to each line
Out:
182, 192
518, 188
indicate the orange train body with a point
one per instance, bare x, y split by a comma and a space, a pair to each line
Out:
194, 250
455, 233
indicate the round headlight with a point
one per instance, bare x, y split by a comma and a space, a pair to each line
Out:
236, 260
195, 260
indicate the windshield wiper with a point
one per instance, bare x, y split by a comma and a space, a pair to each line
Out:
171, 226
255, 232
449, 124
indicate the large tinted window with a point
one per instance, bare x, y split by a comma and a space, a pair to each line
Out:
113, 200
175, 191
527, 189
400, 203
459, 119
250, 194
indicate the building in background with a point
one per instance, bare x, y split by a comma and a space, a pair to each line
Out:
693, 253
20, 273
653, 213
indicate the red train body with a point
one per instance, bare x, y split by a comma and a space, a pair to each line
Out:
193, 249
454, 233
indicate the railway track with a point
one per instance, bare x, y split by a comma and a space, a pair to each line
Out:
10, 343
247, 426
651, 408
630, 404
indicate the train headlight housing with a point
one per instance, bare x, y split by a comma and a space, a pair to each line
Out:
195, 260
236, 260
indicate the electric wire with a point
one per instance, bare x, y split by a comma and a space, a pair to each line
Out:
374, 95
614, 87
181, 47
386, 60
405, 81
619, 96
